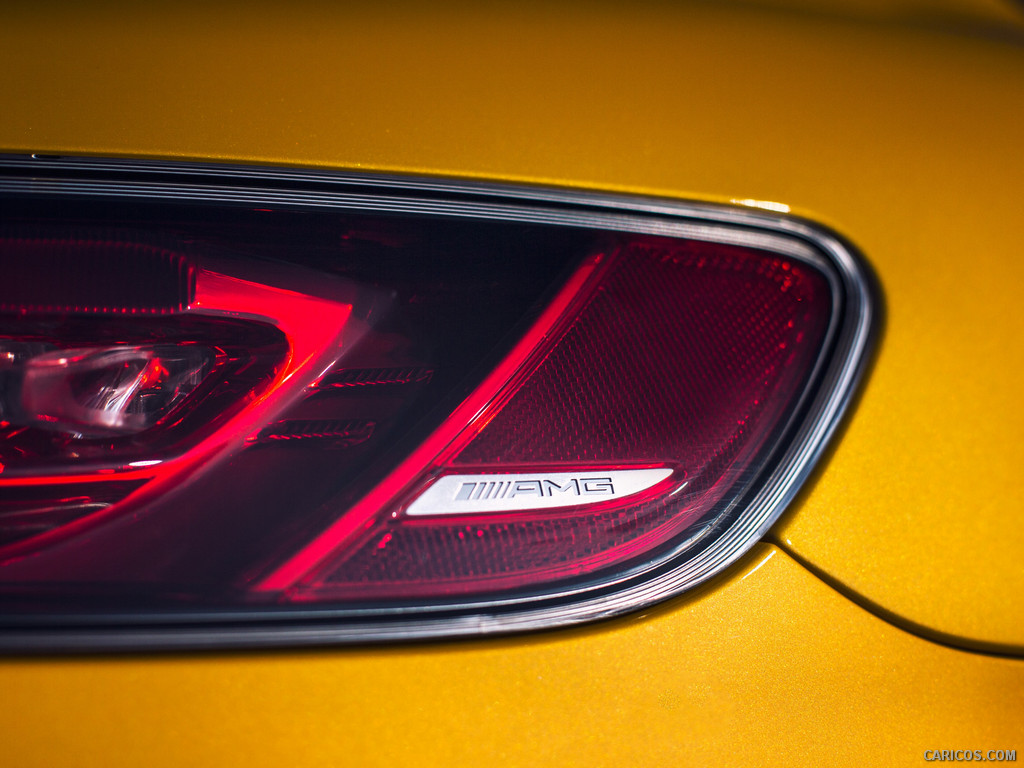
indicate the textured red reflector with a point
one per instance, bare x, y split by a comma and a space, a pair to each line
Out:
689, 356
89, 275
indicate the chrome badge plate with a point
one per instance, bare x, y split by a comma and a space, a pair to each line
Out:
526, 491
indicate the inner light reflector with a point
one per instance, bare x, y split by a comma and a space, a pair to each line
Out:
110, 390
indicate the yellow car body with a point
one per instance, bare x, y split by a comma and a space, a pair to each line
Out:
881, 619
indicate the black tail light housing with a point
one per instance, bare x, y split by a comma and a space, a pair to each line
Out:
255, 406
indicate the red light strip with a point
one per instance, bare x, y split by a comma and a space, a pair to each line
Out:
467, 419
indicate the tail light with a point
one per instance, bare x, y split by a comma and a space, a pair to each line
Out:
242, 406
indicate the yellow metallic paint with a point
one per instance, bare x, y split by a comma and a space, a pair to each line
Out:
900, 130
770, 667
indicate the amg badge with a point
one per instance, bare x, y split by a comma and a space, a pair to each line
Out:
464, 494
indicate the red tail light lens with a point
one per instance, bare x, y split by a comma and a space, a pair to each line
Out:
670, 356
396, 410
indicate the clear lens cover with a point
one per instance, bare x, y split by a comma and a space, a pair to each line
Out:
347, 408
